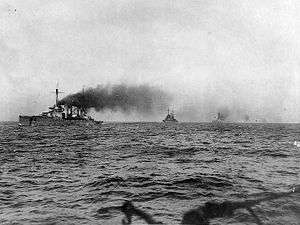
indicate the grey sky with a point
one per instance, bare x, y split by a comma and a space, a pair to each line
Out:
242, 54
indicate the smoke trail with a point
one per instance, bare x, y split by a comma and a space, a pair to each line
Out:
142, 99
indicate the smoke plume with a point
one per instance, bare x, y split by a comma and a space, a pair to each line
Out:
141, 99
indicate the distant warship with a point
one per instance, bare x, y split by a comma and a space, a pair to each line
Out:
220, 119
59, 115
170, 118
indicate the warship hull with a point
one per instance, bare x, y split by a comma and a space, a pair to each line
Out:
217, 122
170, 121
55, 121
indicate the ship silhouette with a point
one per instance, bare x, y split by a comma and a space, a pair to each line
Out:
59, 115
170, 118
219, 120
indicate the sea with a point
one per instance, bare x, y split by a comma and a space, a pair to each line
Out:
81, 174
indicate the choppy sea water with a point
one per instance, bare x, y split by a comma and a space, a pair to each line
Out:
74, 174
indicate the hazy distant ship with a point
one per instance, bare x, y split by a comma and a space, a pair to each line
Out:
59, 115
170, 118
220, 119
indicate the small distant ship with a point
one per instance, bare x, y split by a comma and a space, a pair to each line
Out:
170, 118
220, 119
59, 115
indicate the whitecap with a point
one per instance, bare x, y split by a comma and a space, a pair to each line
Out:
297, 143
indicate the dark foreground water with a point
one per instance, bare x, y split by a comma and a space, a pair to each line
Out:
73, 175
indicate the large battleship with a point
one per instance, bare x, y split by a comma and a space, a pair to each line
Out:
59, 115
170, 118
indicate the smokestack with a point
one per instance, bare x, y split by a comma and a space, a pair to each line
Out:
56, 94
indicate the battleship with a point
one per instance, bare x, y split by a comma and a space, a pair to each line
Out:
59, 115
220, 119
170, 118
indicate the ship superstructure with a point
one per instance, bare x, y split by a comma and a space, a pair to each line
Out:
170, 118
59, 115
220, 118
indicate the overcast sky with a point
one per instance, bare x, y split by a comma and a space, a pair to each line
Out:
242, 55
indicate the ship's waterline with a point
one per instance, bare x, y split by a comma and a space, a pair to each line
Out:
53, 121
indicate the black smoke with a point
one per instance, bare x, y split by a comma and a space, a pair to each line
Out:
142, 99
